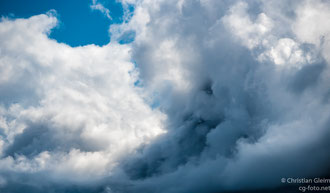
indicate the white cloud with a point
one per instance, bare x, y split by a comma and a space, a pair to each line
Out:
251, 33
307, 27
98, 6
263, 34
75, 111
286, 52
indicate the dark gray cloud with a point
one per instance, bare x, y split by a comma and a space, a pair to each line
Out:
307, 77
237, 121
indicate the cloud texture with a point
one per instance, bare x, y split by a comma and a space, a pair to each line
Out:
207, 96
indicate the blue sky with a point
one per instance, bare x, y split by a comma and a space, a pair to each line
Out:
79, 24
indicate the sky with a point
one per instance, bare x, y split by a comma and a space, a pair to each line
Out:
78, 23
164, 96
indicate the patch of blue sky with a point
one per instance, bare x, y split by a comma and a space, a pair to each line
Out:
155, 104
127, 37
79, 24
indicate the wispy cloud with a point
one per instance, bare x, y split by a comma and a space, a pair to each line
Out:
98, 6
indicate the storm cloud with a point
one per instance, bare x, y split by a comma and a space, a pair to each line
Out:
190, 96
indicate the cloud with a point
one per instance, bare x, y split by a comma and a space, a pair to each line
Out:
206, 96
98, 6
307, 15
243, 94
67, 113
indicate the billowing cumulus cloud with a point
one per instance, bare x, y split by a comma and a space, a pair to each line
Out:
67, 113
204, 96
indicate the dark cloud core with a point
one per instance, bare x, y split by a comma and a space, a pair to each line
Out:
197, 97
